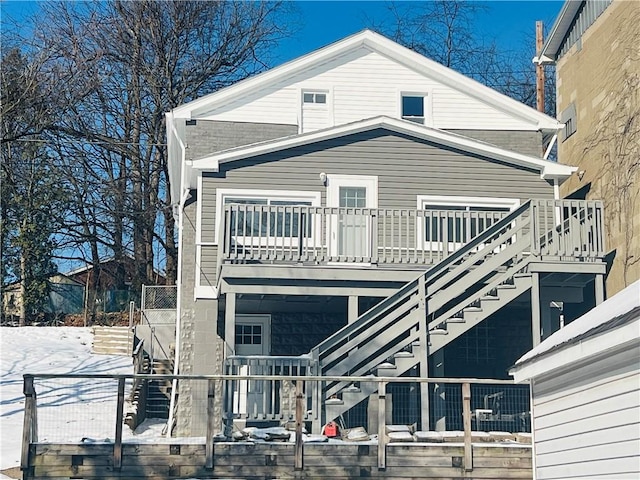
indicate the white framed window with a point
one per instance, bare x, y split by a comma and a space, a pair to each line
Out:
265, 226
415, 107
451, 221
314, 97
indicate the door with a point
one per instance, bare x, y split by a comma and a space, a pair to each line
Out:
252, 337
351, 229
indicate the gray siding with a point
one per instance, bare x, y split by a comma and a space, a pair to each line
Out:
208, 136
405, 168
527, 143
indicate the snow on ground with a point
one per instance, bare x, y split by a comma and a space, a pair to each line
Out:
67, 409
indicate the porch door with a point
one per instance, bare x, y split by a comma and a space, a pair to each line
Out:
351, 231
252, 337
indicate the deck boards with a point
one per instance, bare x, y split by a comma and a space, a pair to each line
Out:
276, 460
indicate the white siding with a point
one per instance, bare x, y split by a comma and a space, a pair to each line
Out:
587, 420
366, 84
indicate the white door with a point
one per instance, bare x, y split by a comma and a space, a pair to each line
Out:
351, 230
252, 337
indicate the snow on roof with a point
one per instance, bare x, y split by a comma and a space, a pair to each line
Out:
617, 306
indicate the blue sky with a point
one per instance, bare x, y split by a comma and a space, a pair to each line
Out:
510, 23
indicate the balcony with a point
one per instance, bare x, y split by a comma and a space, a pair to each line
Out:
570, 230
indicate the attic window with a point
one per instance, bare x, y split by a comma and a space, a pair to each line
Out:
313, 97
413, 108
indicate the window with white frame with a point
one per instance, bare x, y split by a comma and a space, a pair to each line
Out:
453, 221
414, 107
264, 216
314, 97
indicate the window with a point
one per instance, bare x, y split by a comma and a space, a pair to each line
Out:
314, 97
263, 225
248, 334
454, 221
569, 118
413, 108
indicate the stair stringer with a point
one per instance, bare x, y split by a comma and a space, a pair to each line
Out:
473, 317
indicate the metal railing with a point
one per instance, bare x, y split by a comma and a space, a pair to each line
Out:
104, 398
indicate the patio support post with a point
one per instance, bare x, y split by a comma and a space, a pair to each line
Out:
211, 386
599, 287
423, 352
382, 427
352, 315
466, 413
230, 324
535, 308
300, 398
117, 446
30, 425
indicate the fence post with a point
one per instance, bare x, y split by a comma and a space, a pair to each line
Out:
117, 446
210, 419
466, 414
299, 460
382, 427
30, 424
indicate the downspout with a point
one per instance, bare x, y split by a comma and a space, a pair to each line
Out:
183, 199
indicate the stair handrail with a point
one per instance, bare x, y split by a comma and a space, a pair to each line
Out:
412, 286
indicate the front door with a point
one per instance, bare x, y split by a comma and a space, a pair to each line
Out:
252, 338
351, 229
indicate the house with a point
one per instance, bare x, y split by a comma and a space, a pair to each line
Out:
364, 210
594, 47
585, 382
66, 295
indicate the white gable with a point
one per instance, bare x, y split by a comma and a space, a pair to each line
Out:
365, 84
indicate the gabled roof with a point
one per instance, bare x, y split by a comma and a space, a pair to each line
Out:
547, 169
617, 319
382, 45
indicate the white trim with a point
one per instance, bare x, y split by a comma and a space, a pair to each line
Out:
370, 182
456, 201
251, 319
546, 168
427, 96
334, 182
199, 210
314, 197
328, 105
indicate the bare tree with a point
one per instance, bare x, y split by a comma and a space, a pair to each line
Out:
133, 61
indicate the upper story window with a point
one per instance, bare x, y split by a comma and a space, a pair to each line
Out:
570, 120
413, 108
314, 97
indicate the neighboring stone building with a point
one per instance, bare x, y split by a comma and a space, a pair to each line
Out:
595, 46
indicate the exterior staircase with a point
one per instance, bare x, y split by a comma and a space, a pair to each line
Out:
159, 390
112, 340
443, 303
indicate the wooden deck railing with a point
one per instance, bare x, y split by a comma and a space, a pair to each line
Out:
317, 235
302, 234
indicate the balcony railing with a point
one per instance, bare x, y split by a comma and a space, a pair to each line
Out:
303, 234
320, 235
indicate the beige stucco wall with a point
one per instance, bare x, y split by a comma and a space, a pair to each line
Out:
601, 75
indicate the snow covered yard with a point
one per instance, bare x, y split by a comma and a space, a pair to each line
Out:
66, 409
